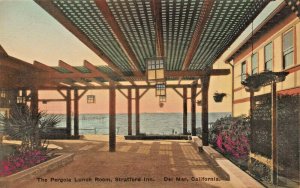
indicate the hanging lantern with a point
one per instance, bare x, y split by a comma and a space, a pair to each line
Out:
21, 100
161, 89
162, 99
2, 94
155, 69
91, 99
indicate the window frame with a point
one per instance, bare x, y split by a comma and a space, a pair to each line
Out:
257, 63
243, 74
269, 60
288, 50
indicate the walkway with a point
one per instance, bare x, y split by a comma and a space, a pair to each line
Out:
154, 163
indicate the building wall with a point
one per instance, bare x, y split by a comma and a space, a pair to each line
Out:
274, 35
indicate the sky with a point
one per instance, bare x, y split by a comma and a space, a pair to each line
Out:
29, 33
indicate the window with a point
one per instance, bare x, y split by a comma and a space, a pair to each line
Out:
243, 71
254, 64
91, 99
288, 49
269, 57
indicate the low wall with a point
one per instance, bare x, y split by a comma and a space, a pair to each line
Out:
37, 171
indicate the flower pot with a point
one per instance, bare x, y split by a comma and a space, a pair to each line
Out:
218, 97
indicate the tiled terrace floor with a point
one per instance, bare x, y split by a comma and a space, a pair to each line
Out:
159, 162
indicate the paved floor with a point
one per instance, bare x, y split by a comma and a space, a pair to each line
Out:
154, 163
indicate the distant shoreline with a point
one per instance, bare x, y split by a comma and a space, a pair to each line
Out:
143, 113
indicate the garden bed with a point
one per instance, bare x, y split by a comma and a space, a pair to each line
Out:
6, 149
38, 170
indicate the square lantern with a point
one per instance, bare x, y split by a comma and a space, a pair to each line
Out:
155, 69
161, 89
2, 94
21, 100
91, 99
163, 98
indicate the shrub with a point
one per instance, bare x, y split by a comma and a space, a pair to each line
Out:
21, 161
231, 136
26, 125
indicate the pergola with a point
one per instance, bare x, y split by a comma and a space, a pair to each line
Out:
189, 34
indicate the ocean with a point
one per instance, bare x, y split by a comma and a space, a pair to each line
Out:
150, 123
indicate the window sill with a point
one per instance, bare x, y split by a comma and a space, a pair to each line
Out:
293, 68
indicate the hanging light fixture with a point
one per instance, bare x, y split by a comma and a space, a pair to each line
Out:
162, 99
161, 89
21, 100
2, 94
155, 69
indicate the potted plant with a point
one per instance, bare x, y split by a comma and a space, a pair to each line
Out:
218, 97
27, 125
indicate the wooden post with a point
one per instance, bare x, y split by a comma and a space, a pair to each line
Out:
184, 111
274, 134
112, 118
252, 106
34, 108
76, 114
13, 97
137, 111
193, 110
34, 105
129, 98
205, 85
68, 112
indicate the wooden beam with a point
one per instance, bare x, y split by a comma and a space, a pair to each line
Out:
157, 14
107, 14
51, 100
116, 86
123, 93
178, 92
50, 7
196, 38
144, 93
197, 73
62, 94
112, 118
34, 103
98, 82
94, 69
198, 93
67, 66
81, 95
274, 134
43, 67
205, 86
